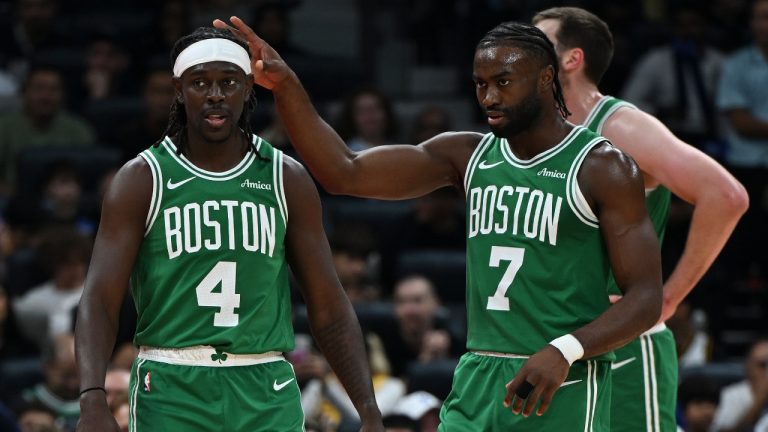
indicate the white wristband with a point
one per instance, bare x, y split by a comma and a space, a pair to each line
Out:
570, 347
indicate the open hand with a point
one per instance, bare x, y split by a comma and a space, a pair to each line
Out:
267, 66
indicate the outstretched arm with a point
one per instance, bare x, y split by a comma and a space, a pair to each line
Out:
121, 231
332, 319
387, 172
613, 186
719, 200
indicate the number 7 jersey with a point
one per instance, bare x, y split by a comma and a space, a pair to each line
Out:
537, 267
211, 269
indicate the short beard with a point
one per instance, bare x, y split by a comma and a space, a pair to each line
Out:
520, 118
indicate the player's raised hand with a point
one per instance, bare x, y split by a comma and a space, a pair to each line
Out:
537, 381
267, 66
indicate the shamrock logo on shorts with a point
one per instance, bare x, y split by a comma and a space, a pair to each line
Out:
219, 356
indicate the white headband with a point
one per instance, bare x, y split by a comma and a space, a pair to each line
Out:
211, 50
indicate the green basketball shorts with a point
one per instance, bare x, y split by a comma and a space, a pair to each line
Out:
645, 384
201, 389
476, 401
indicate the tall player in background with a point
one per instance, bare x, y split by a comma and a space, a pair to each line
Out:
204, 224
551, 208
645, 371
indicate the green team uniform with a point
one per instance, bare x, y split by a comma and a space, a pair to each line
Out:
537, 269
211, 289
645, 370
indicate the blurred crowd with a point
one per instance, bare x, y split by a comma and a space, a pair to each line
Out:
86, 85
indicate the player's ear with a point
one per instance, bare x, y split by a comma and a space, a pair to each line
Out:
177, 86
572, 59
546, 77
248, 86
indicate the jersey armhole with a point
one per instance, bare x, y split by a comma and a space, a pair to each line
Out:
576, 200
157, 190
277, 180
473, 160
609, 112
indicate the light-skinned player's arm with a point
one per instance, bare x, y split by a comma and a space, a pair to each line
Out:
386, 172
121, 231
719, 200
613, 186
331, 317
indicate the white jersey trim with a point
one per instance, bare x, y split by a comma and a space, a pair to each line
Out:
277, 175
157, 190
541, 157
481, 148
596, 109
575, 197
210, 175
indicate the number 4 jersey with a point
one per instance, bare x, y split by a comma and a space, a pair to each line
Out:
536, 264
211, 269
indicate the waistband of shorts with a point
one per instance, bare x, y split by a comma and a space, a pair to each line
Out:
206, 356
499, 354
660, 327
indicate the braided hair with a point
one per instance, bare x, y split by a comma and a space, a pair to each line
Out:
177, 122
535, 43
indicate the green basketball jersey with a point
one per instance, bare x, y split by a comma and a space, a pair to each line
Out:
537, 267
656, 199
211, 269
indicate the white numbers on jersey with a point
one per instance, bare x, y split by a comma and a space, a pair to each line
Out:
227, 300
499, 300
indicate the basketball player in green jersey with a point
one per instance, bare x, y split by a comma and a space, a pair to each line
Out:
645, 371
203, 226
549, 206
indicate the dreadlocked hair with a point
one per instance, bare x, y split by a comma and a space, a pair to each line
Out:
177, 121
533, 41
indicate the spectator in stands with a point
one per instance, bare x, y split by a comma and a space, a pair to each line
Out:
271, 22
743, 98
367, 120
692, 342
42, 122
107, 70
420, 407
677, 82
323, 398
116, 386
420, 335
429, 122
37, 417
698, 397
46, 310
12, 345
32, 31
139, 133
60, 391
63, 200
742, 403
353, 249
24, 220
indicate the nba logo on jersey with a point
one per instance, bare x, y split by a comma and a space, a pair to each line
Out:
146, 381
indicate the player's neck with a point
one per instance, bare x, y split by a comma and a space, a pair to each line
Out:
549, 131
581, 96
216, 156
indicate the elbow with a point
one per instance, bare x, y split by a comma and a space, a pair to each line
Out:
735, 198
